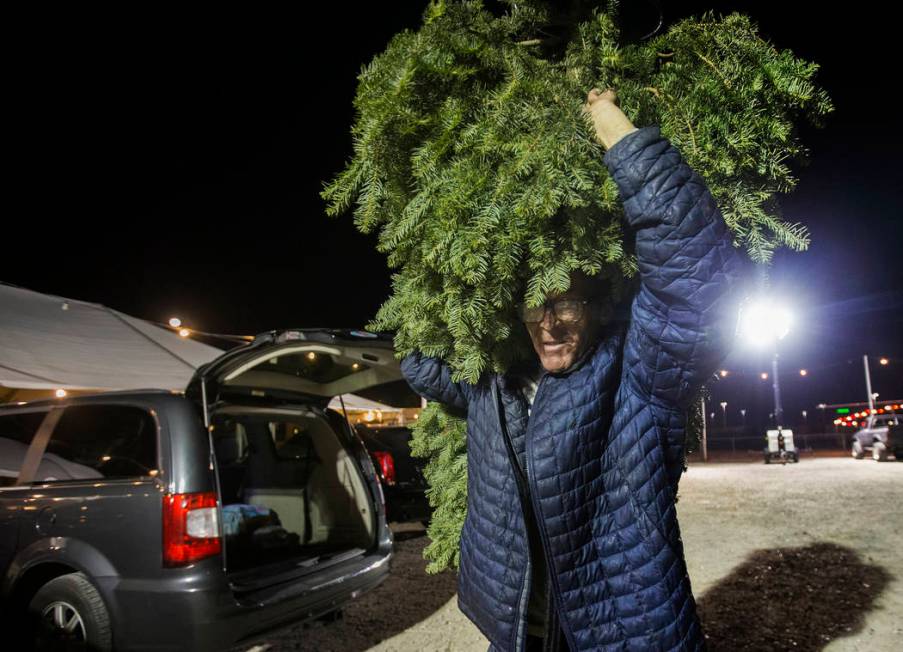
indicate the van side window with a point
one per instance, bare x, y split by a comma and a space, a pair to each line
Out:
16, 433
101, 441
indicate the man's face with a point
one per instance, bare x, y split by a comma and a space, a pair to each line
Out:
559, 343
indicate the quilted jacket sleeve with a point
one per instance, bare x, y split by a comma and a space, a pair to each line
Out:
431, 378
684, 317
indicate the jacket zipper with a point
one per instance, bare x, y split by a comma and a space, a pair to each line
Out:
519, 642
540, 522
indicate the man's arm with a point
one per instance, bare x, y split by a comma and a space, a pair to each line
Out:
431, 378
684, 316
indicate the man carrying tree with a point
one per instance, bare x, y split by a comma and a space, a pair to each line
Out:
571, 538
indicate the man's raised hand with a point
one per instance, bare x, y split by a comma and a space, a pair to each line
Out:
609, 121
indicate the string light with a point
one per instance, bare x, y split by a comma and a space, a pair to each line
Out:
176, 323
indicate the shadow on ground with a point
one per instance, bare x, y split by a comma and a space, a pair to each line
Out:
791, 599
408, 596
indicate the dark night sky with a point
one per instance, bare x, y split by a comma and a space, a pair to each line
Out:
170, 164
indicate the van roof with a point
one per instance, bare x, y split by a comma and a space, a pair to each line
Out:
156, 391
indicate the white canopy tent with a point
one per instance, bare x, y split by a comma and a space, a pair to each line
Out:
49, 342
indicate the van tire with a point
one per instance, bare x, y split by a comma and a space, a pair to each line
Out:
857, 451
77, 598
879, 452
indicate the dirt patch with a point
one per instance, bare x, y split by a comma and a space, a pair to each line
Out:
791, 599
734, 516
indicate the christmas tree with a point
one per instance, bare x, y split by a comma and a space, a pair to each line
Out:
483, 179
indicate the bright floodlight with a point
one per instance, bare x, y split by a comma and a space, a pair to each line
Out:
764, 321
175, 322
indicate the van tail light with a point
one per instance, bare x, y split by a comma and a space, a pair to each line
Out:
386, 466
190, 528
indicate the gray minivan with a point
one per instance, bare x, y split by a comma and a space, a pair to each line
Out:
161, 520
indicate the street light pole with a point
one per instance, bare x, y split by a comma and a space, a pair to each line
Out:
778, 410
868, 382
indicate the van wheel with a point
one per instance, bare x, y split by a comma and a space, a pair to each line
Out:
857, 450
879, 452
67, 614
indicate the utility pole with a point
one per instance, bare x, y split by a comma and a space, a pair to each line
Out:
778, 410
868, 383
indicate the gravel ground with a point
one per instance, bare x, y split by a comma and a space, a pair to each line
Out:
805, 556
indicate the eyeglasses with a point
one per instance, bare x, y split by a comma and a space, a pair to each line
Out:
566, 310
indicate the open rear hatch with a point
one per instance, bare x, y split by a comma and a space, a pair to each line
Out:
298, 492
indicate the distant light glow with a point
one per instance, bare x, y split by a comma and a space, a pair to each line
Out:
723, 373
184, 332
60, 393
803, 372
763, 376
311, 356
175, 322
883, 360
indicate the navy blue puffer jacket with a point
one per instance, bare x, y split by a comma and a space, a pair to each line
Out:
603, 444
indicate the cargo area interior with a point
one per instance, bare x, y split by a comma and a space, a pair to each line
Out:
289, 488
